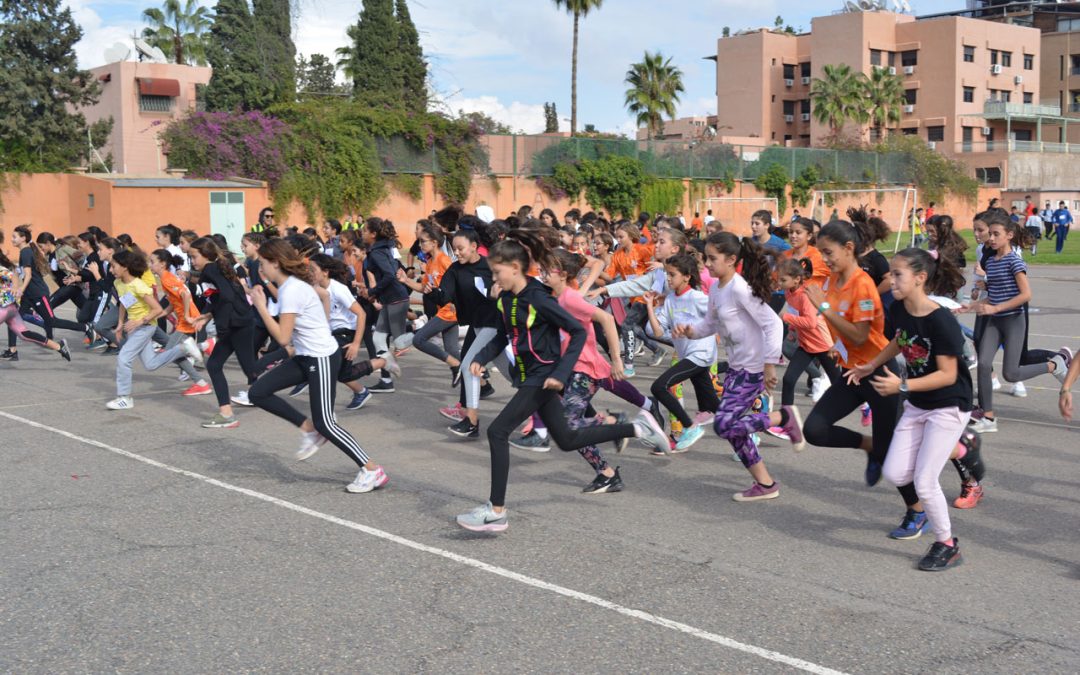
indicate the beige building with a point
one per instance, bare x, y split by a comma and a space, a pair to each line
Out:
702, 127
141, 97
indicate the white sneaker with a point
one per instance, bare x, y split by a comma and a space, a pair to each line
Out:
1019, 390
392, 366
241, 398
310, 442
183, 377
818, 387
121, 403
366, 481
192, 350
996, 383
660, 357
984, 425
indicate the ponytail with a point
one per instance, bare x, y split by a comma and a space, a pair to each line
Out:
524, 247
755, 268
943, 277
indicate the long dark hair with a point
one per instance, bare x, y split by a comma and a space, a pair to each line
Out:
570, 263
687, 265
41, 263
334, 268
755, 268
943, 277
209, 250
287, 258
522, 246
168, 258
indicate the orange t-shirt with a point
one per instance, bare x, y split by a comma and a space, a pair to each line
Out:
627, 264
696, 224
857, 301
433, 273
821, 271
174, 289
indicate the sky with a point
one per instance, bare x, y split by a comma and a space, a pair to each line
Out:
507, 57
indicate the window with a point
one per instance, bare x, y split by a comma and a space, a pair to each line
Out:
789, 107
1022, 135
909, 58
1029, 62
968, 134
969, 94
969, 54
875, 57
936, 134
991, 175
910, 96
804, 69
805, 106
1075, 63
789, 72
1006, 59
1028, 98
1068, 25
910, 132
90, 200
150, 103
1006, 96
993, 57
787, 138
892, 59
774, 98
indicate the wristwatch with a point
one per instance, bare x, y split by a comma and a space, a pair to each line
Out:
824, 307
903, 387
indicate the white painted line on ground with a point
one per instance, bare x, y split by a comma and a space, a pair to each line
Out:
1041, 424
1045, 335
638, 614
103, 399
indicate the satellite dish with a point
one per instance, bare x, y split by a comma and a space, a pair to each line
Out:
157, 56
153, 54
867, 5
118, 52
852, 6
906, 5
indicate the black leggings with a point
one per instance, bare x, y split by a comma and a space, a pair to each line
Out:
841, 400
798, 364
526, 401
320, 375
699, 376
39, 304
239, 341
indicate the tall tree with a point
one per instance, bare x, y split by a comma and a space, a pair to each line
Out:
40, 85
654, 88
371, 61
578, 8
551, 118
838, 97
273, 25
412, 65
180, 31
239, 81
884, 98
316, 75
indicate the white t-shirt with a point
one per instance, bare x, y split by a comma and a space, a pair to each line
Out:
341, 299
311, 333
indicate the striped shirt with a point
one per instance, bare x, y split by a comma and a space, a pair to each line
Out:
1001, 279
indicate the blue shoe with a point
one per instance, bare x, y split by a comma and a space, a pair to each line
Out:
912, 526
688, 438
359, 400
873, 471
484, 519
628, 370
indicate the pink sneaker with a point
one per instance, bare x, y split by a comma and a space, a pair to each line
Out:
793, 429
199, 390
704, 417
455, 412
757, 493
867, 415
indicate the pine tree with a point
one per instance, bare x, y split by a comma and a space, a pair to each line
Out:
273, 26
371, 61
40, 82
316, 75
412, 64
551, 118
239, 81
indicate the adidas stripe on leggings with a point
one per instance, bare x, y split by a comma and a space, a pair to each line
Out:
320, 372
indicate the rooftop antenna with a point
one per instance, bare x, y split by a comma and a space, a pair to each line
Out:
93, 153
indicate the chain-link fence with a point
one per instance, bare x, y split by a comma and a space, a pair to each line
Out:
522, 155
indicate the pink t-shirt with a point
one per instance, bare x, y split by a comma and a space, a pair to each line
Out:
706, 280
590, 362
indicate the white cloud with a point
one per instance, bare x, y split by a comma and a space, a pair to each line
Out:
98, 36
526, 117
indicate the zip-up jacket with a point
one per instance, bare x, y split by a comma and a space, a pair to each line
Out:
468, 287
383, 266
531, 322
686, 309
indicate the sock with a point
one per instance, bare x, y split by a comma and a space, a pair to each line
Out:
767, 486
387, 380
647, 405
961, 450
784, 416
542, 431
950, 542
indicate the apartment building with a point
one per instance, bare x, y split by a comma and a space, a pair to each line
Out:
695, 128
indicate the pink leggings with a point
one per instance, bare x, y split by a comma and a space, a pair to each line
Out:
9, 314
920, 448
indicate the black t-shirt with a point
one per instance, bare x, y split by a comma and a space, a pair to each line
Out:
922, 339
37, 287
875, 264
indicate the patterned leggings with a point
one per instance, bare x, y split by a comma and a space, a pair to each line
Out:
576, 398
732, 421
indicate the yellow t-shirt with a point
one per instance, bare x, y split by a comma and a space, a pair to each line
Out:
133, 297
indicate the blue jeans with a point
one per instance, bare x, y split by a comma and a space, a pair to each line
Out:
1062, 232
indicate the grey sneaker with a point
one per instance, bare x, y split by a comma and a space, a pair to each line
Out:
531, 441
650, 433
661, 356
1062, 360
366, 481
985, 425
219, 421
484, 519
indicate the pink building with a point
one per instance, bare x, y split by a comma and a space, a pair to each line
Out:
140, 97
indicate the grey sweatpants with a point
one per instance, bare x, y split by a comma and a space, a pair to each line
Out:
1007, 331
175, 338
139, 345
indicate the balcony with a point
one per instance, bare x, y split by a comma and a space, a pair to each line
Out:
1001, 110
1017, 146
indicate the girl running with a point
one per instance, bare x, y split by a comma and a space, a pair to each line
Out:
232, 316
684, 304
630, 260
303, 328
9, 309
793, 276
390, 294
162, 262
31, 292
751, 334
135, 328
531, 320
938, 390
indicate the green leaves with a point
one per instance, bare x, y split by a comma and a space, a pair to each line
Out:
773, 182
654, 88
385, 62
180, 31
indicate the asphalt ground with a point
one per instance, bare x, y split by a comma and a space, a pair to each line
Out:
137, 541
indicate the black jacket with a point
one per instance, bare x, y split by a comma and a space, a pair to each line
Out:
460, 285
530, 325
383, 266
228, 301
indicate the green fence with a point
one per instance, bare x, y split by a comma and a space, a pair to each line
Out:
523, 155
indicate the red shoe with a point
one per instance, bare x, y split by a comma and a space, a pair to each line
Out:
208, 346
455, 412
970, 495
527, 429
199, 390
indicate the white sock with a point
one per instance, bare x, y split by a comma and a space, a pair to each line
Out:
647, 405
541, 431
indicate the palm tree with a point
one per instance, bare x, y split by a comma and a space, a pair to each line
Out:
180, 31
347, 56
884, 95
578, 8
838, 97
654, 90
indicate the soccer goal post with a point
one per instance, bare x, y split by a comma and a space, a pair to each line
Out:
896, 206
734, 213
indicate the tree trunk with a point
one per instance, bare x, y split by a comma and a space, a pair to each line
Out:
573, 81
178, 49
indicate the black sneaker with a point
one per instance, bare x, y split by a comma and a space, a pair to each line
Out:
465, 429
111, 350
382, 387
454, 376
64, 351
941, 557
9, 355
486, 391
531, 441
603, 484
298, 389
972, 460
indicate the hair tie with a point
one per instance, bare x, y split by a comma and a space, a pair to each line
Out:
933, 254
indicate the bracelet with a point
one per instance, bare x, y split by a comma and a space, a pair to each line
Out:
1064, 391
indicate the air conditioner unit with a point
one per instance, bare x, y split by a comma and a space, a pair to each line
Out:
806, 80
892, 71
995, 69
789, 118
789, 83
932, 145
909, 109
909, 70
806, 117
1019, 79
987, 131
